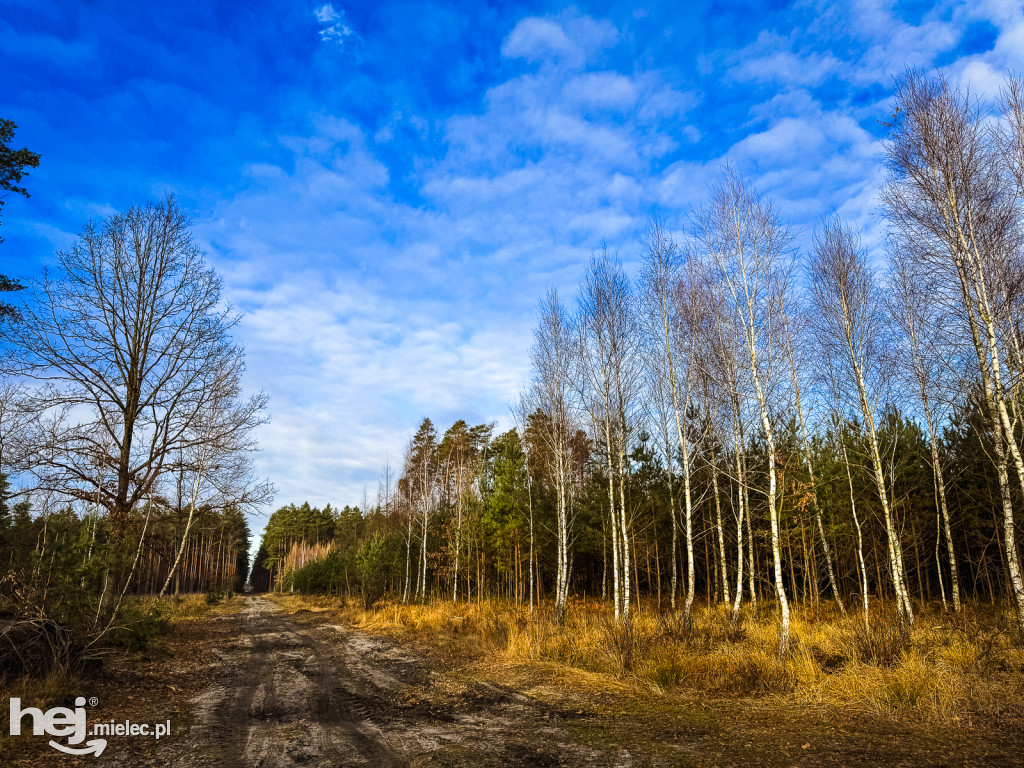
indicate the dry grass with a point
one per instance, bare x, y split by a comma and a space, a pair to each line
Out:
192, 606
142, 621
947, 670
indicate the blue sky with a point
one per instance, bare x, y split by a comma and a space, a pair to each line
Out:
387, 188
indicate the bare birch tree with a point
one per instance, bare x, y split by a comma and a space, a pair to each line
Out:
746, 244
862, 569
911, 313
670, 306
658, 282
953, 211
688, 298
808, 459
608, 375
724, 365
848, 313
552, 356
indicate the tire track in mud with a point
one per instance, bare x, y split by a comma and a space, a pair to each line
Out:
293, 706
285, 694
343, 715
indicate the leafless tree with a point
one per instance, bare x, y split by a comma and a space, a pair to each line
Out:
659, 277
955, 212
791, 354
127, 344
722, 365
689, 312
17, 433
404, 506
747, 246
521, 414
608, 377
848, 314
914, 314
1011, 132
712, 402
862, 569
552, 356
215, 470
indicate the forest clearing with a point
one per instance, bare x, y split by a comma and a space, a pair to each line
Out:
289, 681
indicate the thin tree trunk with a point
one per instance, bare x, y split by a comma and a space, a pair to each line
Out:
942, 509
188, 525
529, 491
860, 537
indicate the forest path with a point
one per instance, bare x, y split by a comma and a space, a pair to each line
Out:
250, 685
283, 693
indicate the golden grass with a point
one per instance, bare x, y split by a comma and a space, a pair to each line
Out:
947, 670
193, 606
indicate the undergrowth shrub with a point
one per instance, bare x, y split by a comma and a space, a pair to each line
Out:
884, 644
138, 626
761, 675
41, 647
629, 642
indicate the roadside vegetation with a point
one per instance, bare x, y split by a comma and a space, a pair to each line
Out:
49, 675
125, 439
948, 672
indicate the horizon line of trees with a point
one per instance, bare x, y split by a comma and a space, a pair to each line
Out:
66, 550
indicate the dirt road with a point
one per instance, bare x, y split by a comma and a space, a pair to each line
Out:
284, 693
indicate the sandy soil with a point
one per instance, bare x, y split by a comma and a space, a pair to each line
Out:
283, 694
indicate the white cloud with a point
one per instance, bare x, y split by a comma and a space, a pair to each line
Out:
770, 59
536, 38
984, 72
356, 335
569, 39
333, 27
365, 314
602, 90
326, 14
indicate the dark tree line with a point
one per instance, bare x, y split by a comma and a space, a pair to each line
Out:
56, 557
